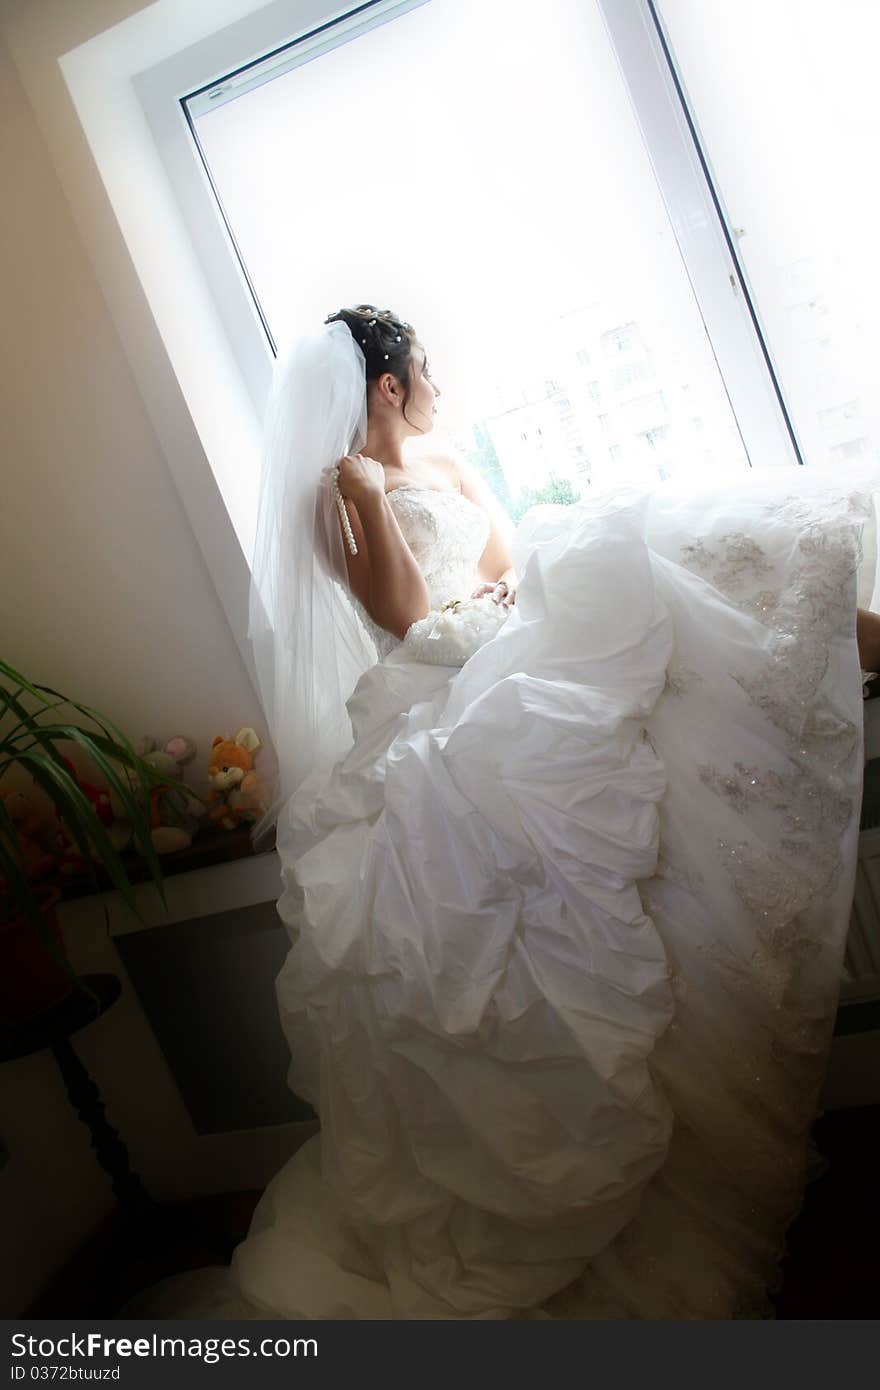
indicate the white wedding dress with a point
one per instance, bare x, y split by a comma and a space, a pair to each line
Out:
567, 923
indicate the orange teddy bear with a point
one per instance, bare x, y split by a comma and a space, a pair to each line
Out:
237, 795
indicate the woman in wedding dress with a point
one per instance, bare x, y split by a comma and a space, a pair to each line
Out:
567, 880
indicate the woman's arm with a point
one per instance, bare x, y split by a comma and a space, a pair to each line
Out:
384, 574
496, 562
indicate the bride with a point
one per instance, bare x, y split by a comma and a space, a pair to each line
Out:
567, 868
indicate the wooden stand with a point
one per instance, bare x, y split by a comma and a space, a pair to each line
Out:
145, 1227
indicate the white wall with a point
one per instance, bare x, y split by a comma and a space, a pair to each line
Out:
104, 595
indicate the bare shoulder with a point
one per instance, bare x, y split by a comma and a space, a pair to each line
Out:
446, 465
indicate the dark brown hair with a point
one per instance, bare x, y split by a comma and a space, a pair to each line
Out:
385, 340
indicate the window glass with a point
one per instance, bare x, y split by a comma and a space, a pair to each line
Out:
482, 175
784, 95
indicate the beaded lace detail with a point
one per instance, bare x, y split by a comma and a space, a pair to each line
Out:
776, 859
447, 534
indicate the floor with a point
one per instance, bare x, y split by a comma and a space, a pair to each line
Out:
832, 1267
831, 1270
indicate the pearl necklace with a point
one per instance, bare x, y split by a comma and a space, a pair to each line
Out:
343, 514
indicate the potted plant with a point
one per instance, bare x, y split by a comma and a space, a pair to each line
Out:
35, 722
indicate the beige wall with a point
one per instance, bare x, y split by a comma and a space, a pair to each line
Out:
104, 595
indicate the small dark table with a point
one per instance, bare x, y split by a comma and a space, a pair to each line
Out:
54, 1030
147, 1227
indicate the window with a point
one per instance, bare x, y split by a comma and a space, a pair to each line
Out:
642, 410
657, 436
620, 340
839, 417
792, 168
631, 374
851, 449
497, 234
519, 272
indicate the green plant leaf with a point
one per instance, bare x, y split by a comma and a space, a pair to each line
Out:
3, 694
32, 744
132, 804
42, 734
9, 748
27, 719
106, 725
40, 693
25, 900
59, 789
18, 679
82, 821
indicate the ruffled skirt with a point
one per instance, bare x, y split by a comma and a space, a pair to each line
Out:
567, 927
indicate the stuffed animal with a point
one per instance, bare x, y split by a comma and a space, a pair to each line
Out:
174, 814
34, 833
237, 794
66, 851
98, 796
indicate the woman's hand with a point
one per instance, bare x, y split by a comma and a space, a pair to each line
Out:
501, 592
360, 477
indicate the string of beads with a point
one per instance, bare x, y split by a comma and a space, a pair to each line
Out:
343, 513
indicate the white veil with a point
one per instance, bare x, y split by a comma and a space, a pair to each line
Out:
310, 648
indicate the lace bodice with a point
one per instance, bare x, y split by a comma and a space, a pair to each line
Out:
447, 534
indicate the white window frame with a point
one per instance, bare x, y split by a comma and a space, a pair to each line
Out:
702, 230
668, 129
313, 27
126, 84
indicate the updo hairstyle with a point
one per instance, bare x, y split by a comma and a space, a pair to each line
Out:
385, 340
